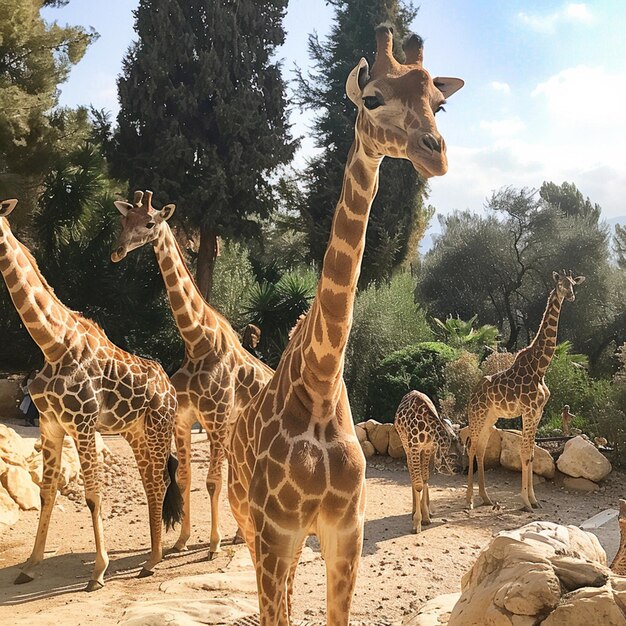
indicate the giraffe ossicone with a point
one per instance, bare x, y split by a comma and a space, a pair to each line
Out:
296, 466
217, 377
88, 384
518, 391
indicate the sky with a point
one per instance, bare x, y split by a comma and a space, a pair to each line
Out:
544, 99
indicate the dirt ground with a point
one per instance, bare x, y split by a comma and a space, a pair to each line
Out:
399, 571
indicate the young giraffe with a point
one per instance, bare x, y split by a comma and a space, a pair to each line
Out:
89, 384
618, 566
518, 390
296, 466
424, 435
217, 378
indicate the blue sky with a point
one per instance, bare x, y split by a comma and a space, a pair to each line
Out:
544, 99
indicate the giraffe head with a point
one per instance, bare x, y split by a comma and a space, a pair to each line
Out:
6, 206
141, 223
449, 451
565, 284
397, 104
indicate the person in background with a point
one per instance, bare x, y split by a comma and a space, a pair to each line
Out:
27, 406
250, 340
566, 418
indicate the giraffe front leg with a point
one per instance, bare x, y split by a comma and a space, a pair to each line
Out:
481, 449
51, 448
92, 479
182, 437
214, 487
527, 453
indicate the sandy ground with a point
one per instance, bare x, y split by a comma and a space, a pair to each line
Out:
398, 573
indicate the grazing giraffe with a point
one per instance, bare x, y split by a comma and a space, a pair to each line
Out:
518, 390
424, 435
217, 378
618, 566
88, 384
296, 466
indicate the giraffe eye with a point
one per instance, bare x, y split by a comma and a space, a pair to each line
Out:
150, 225
371, 102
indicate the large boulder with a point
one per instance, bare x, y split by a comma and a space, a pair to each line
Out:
435, 612
368, 449
580, 458
543, 464
541, 574
494, 445
9, 510
20, 486
378, 434
13, 449
361, 433
395, 449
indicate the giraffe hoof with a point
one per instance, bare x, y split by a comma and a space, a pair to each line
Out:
93, 585
237, 539
536, 505
177, 548
23, 578
145, 573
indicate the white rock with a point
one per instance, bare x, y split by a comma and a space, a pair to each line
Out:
368, 449
20, 486
9, 511
395, 449
543, 465
580, 458
435, 612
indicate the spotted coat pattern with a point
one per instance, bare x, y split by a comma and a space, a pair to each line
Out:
517, 391
428, 442
618, 566
296, 466
87, 384
217, 378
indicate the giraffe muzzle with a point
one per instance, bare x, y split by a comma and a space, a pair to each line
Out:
118, 254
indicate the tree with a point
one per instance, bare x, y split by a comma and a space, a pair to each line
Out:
398, 217
499, 265
203, 114
35, 57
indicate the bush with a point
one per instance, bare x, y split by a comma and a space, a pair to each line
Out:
420, 367
568, 383
497, 362
461, 376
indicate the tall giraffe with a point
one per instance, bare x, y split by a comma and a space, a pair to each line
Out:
88, 384
618, 566
217, 378
296, 466
425, 437
518, 390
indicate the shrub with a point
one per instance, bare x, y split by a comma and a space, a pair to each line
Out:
461, 376
420, 367
568, 383
497, 362
386, 319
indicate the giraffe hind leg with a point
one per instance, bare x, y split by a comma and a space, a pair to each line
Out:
214, 487
182, 437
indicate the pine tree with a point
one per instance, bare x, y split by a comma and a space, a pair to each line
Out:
35, 57
202, 119
398, 218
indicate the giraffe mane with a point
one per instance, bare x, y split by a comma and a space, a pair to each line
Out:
298, 325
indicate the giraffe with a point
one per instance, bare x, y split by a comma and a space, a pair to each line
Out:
88, 384
618, 566
518, 390
217, 378
424, 435
296, 467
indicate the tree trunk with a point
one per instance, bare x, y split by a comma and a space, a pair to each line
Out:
208, 251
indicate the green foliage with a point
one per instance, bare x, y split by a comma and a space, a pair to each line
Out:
568, 383
398, 218
461, 376
420, 367
35, 57
233, 280
500, 265
203, 113
459, 334
386, 319
276, 307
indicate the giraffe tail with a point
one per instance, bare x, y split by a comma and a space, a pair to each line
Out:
173, 500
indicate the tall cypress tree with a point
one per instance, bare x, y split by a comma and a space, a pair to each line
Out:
202, 119
398, 217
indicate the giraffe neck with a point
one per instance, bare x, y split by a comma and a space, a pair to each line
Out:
200, 326
544, 344
44, 316
330, 319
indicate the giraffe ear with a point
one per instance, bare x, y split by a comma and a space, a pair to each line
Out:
448, 86
165, 213
357, 79
6, 206
123, 207
555, 277
579, 280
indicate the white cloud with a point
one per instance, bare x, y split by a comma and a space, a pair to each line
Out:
500, 87
573, 12
505, 127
